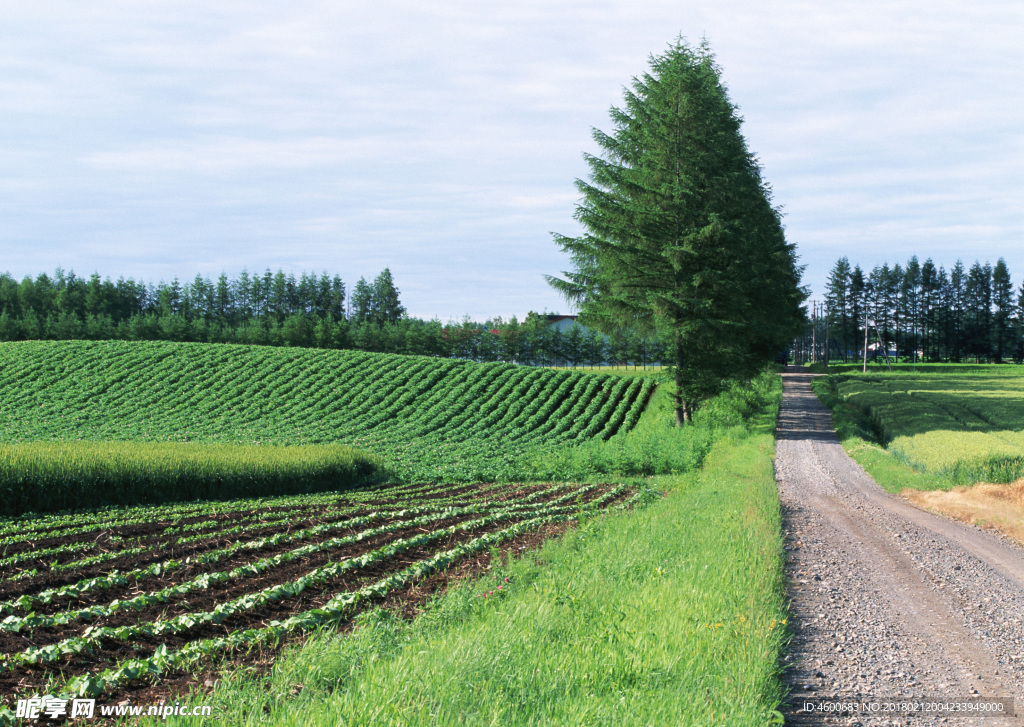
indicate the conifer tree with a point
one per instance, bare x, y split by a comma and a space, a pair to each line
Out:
837, 298
387, 308
362, 302
1002, 300
681, 237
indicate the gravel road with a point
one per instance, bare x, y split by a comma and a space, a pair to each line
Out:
888, 603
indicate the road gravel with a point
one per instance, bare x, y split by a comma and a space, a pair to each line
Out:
890, 605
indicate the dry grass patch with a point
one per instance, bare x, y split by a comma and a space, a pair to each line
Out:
1000, 507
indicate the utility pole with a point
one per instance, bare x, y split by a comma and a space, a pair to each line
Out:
814, 331
828, 320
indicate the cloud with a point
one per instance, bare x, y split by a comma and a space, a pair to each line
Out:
162, 140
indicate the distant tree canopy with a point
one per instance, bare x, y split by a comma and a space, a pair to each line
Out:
682, 240
279, 309
377, 303
927, 313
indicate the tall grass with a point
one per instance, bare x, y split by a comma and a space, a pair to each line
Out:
47, 476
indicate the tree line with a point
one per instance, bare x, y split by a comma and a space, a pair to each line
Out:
279, 309
918, 311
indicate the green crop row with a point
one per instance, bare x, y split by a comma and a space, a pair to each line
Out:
339, 608
34, 621
439, 420
421, 514
494, 507
34, 526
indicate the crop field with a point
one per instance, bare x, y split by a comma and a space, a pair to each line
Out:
962, 424
255, 497
431, 419
49, 476
99, 601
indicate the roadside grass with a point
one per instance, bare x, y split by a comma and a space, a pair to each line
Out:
671, 614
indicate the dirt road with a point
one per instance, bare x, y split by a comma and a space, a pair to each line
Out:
890, 604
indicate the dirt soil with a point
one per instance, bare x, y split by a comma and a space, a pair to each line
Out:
408, 600
889, 604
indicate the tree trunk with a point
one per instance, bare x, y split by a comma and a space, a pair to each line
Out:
683, 409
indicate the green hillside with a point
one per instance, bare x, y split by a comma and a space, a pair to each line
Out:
430, 418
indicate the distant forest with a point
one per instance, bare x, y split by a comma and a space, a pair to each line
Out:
278, 309
924, 312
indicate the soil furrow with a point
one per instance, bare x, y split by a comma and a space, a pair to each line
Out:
108, 654
205, 599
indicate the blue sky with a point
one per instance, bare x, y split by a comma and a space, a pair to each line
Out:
156, 140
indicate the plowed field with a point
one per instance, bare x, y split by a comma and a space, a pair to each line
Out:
103, 601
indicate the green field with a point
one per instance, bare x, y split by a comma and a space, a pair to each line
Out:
47, 476
441, 420
954, 424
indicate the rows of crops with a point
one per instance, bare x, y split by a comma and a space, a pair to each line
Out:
432, 419
96, 601
965, 426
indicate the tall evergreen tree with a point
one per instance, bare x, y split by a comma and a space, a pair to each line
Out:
978, 317
910, 302
943, 299
928, 301
223, 303
1018, 328
244, 297
858, 296
1002, 315
898, 322
886, 285
837, 298
336, 307
682, 239
362, 302
387, 308
957, 292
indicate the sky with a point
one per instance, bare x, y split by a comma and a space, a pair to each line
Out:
442, 140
